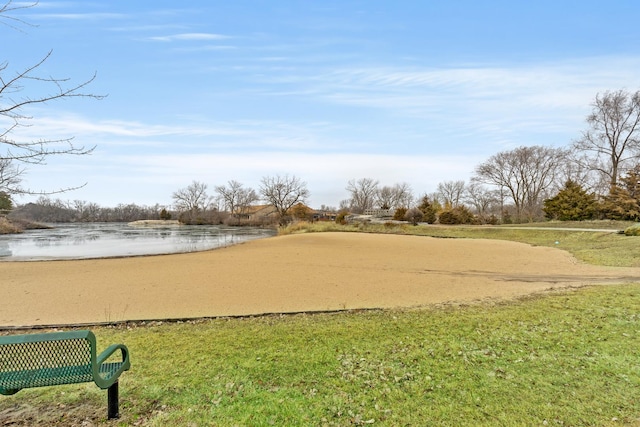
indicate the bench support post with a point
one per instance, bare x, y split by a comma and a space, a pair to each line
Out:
113, 409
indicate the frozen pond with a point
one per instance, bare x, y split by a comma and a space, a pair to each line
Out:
97, 240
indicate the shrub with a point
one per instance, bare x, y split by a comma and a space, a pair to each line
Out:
8, 227
457, 215
633, 230
341, 218
492, 220
414, 216
399, 214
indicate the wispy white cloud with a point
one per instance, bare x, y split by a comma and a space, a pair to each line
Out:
195, 133
81, 16
190, 37
556, 84
496, 103
537, 81
148, 27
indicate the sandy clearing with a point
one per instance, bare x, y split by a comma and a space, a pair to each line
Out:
304, 272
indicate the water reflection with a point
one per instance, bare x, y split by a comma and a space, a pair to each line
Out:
96, 240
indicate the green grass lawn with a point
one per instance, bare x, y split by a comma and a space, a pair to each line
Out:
569, 358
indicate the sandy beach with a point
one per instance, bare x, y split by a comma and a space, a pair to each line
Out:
294, 273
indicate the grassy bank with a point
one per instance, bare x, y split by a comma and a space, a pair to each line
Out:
563, 359
16, 226
8, 227
598, 248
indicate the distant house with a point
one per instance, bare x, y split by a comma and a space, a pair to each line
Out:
323, 215
302, 211
268, 213
260, 213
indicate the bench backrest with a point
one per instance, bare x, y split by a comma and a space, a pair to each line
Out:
46, 359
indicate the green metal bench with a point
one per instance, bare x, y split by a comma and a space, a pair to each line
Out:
39, 360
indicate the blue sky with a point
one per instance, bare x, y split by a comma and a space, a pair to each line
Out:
399, 91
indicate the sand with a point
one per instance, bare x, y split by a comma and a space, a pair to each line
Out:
284, 274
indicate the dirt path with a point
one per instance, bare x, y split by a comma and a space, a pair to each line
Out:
306, 272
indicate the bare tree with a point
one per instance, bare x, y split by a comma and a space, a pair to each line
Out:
14, 106
614, 135
404, 195
481, 198
363, 194
236, 197
385, 197
193, 198
400, 195
526, 174
10, 177
246, 198
283, 192
579, 169
451, 192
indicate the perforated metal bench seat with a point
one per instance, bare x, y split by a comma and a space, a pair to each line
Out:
39, 360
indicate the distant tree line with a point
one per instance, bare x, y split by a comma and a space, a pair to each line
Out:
44, 209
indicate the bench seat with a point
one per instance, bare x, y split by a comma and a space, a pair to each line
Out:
39, 360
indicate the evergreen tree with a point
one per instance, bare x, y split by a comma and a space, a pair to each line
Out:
631, 182
400, 213
572, 203
620, 205
5, 203
428, 209
623, 201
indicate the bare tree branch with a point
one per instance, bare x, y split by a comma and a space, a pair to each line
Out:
614, 135
14, 101
14, 22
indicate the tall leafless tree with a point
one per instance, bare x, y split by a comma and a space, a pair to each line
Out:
283, 192
400, 195
526, 174
613, 139
15, 103
451, 192
192, 199
236, 197
363, 194
480, 198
